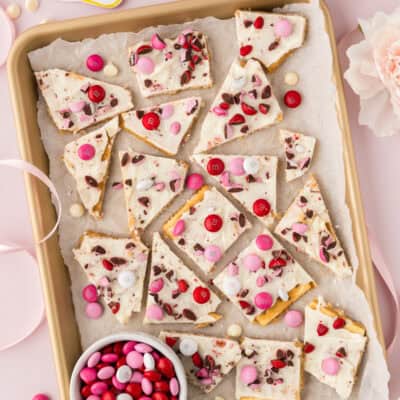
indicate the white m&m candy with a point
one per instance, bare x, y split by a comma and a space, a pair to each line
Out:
126, 279
148, 361
188, 347
251, 165
124, 374
231, 286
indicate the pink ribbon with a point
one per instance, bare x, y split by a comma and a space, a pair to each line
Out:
384, 272
12, 248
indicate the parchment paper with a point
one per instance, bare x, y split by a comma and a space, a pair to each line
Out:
316, 116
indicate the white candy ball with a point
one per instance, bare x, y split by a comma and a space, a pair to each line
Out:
251, 165
76, 210
291, 78
110, 70
124, 374
13, 11
124, 396
188, 347
234, 330
127, 279
144, 184
148, 361
231, 286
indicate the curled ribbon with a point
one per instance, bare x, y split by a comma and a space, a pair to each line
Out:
13, 248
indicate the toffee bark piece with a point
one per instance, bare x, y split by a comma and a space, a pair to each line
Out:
117, 267
269, 37
76, 102
88, 161
150, 184
244, 104
308, 226
173, 286
212, 361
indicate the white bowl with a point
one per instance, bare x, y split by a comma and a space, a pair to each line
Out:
126, 337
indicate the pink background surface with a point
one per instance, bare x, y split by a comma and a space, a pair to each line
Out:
29, 368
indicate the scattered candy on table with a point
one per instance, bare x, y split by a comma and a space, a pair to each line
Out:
76, 210
291, 78
292, 98
293, 318
128, 371
194, 181
32, 5
95, 62
234, 330
13, 10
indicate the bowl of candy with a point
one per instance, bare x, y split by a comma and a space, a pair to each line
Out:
128, 366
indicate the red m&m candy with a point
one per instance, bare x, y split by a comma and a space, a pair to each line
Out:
215, 166
261, 207
96, 93
201, 295
292, 99
213, 223
151, 121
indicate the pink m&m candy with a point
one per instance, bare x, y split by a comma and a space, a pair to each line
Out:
263, 300
94, 310
293, 318
212, 253
156, 285
128, 347
157, 43
86, 152
94, 359
167, 111
330, 366
145, 65
95, 62
248, 374
175, 127
134, 359
154, 312
88, 375
40, 396
264, 242
299, 228
179, 228
283, 28
194, 181
89, 293
236, 166
143, 348
98, 388
147, 386
252, 262
106, 372
232, 269
174, 386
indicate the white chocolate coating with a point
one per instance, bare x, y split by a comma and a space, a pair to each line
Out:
284, 383
91, 175
269, 48
274, 280
165, 265
176, 67
185, 111
150, 184
299, 151
319, 240
244, 86
196, 238
224, 354
64, 89
125, 254
327, 346
247, 188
